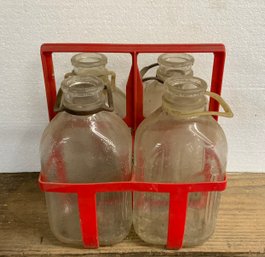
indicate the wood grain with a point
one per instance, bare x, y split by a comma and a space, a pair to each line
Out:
24, 229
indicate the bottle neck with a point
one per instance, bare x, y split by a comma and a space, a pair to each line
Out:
90, 64
178, 65
184, 95
94, 71
83, 94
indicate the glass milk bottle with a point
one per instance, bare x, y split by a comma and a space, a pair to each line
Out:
180, 143
95, 64
168, 65
87, 142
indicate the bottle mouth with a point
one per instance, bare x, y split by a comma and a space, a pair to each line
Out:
187, 87
176, 60
89, 60
82, 86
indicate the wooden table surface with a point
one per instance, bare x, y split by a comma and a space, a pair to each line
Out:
24, 228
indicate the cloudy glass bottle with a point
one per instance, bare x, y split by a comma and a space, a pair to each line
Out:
87, 142
180, 143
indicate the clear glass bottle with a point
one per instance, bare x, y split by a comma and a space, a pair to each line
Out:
169, 65
86, 142
95, 64
182, 143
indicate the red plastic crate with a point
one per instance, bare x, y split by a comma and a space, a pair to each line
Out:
134, 115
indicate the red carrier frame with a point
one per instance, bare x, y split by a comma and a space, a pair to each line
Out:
134, 115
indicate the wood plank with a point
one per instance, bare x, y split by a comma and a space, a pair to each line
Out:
24, 229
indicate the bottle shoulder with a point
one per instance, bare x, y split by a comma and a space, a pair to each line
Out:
161, 126
102, 124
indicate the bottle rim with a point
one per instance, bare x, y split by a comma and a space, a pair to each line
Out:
185, 86
82, 85
89, 60
176, 60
